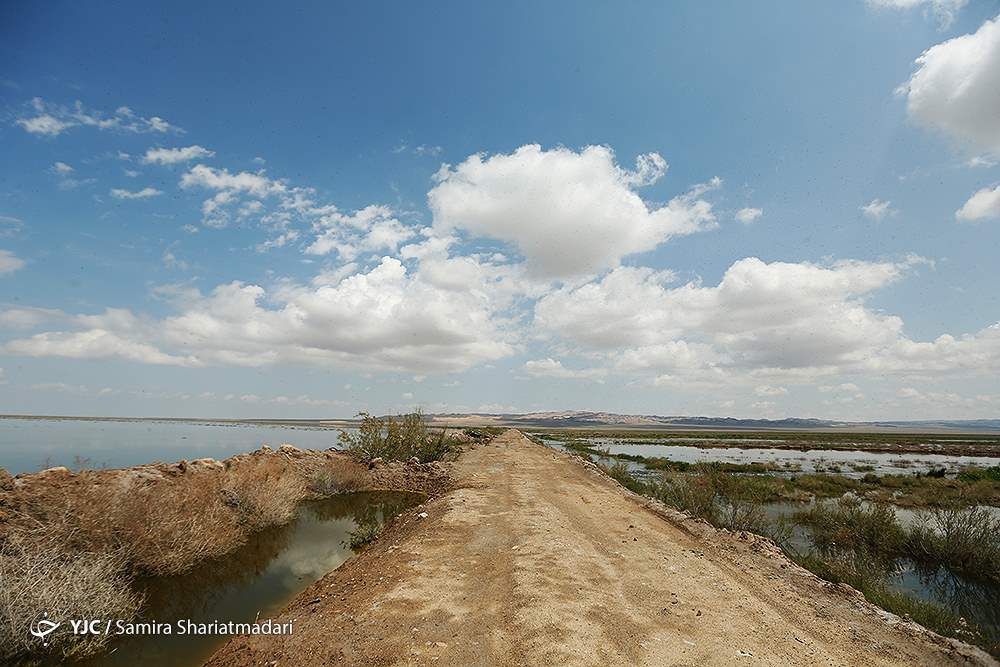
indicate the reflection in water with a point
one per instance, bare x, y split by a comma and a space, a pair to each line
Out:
976, 601
256, 581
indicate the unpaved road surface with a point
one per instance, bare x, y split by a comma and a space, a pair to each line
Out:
538, 559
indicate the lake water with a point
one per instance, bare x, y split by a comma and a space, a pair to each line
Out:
28, 445
254, 582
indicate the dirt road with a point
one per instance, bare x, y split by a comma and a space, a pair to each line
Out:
538, 559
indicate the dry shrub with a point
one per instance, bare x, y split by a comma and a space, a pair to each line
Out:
162, 527
330, 479
264, 493
73, 547
38, 573
166, 526
169, 526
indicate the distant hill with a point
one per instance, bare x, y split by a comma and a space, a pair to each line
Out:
584, 419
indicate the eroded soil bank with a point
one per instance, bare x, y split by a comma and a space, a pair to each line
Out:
538, 558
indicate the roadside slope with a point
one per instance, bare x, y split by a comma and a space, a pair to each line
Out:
538, 559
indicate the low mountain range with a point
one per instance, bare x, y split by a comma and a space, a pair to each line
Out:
578, 419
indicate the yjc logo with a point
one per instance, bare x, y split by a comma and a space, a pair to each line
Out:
44, 628
86, 627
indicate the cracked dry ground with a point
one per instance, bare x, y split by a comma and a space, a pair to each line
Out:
539, 559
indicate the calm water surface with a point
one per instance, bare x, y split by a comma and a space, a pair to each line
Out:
28, 445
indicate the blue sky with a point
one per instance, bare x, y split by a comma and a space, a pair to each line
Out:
748, 209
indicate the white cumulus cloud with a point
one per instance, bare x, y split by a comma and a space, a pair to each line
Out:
877, 209
550, 367
373, 228
944, 10
256, 184
232, 189
52, 120
9, 262
145, 193
760, 317
386, 318
26, 317
569, 213
175, 155
748, 215
94, 344
983, 205
956, 88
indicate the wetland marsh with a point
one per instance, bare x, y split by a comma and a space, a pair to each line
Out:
916, 532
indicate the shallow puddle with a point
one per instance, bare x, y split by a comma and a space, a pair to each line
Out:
255, 582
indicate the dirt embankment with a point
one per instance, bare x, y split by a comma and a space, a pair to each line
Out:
77, 542
55, 487
164, 518
538, 559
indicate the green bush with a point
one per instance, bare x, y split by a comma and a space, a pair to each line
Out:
659, 463
620, 473
992, 474
482, 433
850, 525
826, 486
365, 533
692, 494
966, 540
725, 500
396, 439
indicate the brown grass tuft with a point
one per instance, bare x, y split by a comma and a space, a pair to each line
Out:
330, 479
37, 573
264, 492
